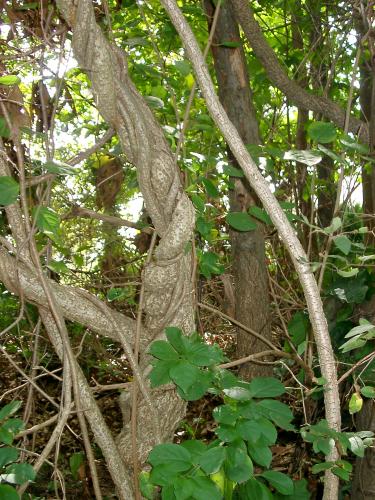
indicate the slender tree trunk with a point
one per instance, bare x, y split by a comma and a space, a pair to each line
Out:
248, 248
364, 479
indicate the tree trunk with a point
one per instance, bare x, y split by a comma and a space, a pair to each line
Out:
248, 248
364, 478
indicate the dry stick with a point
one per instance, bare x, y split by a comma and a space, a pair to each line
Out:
129, 353
101, 432
30, 380
355, 366
277, 352
287, 234
70, 366
239, 324
78, 211
135, 385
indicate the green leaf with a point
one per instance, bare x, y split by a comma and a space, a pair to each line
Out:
266, 387
348, 274
298, 327
75, 462
264, 429
177, 339
147, 489
204, 355
368, 391
320, 467
184, 488
7, 492
47, 220
205, 489
240, 221
184, 374
4, 129
281, 482
21, 473
230, 44
355, 403
334, 226
164, 474
159, 375
260, 214
341, 473
354, 145
300, 492
357, 446
60, 168
9, 409
323, 132
227, 433
198, 388
204, 227
362, 328
154, 102
6, 437
262, 455
353, 343
238, 393
238, 465
211, 188
212, 459
308, 157
233, 171
58, 266
184, 67
163, 350
209, 263
172, 455
253, 490
343, 243
323, 444
7, 455
9, 80
248, 429
225, 414
9, 191
277, 412
14, 425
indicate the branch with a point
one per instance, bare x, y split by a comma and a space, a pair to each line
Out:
286, 232
278, 76
78, 211
74, 305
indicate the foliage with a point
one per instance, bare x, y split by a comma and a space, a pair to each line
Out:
12, 472
246, 428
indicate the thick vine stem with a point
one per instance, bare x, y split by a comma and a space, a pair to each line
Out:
286, 232
167, 281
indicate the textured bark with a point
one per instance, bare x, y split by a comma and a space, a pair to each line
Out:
364, 478
279, 77
75, 305
367, 101
248, 252
363, 486
286, 232
168, 278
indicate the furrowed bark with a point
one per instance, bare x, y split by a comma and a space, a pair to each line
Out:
286, 232
252, 303
168, 278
